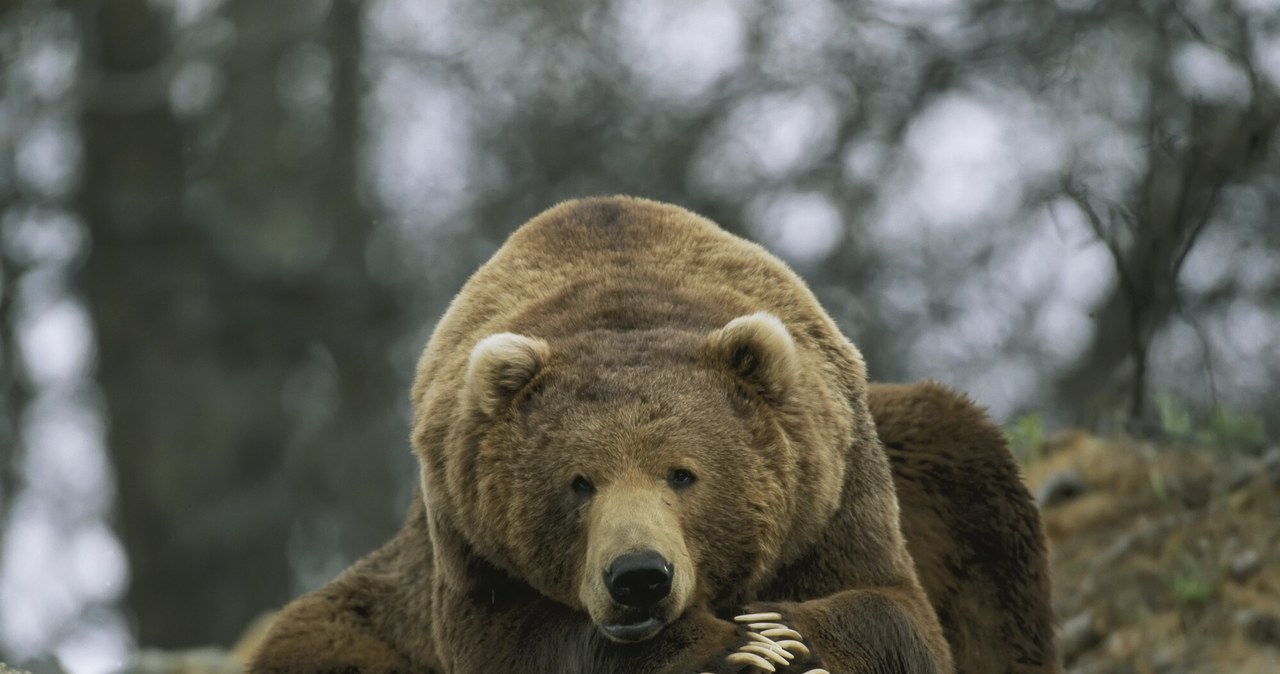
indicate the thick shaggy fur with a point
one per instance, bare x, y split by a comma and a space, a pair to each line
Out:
622, 376
972, 529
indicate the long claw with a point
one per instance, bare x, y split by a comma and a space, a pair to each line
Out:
770, 644
785, 632
758, 617
792, 645
761, 649
752, 659
765, 626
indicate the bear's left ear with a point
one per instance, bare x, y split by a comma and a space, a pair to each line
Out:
759, 350
500, 366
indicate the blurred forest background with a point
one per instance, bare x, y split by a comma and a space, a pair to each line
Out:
229, 226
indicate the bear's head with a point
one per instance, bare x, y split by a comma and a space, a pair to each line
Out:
634, 474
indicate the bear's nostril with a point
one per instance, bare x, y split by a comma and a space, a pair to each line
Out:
639, 578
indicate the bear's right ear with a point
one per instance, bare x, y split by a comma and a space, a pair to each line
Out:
758, 349
500, 366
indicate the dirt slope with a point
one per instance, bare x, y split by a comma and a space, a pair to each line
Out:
1165, 560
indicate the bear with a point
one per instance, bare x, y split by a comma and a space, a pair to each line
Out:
645, 447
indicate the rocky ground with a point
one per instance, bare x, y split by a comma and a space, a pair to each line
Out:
1166, 560
202, 660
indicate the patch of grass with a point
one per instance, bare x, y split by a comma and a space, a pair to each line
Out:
1175, 418
1192, 585
1026, 437
1191, 590
1224, 429
1231, 430
1159, 487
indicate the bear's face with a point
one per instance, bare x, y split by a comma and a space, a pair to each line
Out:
631, 475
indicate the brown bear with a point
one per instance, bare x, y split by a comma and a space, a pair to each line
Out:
645, 447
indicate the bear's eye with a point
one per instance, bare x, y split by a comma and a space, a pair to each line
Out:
582, 486
680, 478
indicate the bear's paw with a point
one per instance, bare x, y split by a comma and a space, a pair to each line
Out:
769, 645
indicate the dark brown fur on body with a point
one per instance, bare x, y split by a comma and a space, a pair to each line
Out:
972, 528
609, 346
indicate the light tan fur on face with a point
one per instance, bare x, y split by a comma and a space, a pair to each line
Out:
631, 517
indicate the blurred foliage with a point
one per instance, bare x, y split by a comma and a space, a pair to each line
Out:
1235, 430
1161, 490
229, 225
1026, 436
1221, 429
1192, 583
1175, 418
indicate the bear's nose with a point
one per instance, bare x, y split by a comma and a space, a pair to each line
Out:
639, 578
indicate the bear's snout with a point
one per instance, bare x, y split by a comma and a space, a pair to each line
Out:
638, 575
639, 579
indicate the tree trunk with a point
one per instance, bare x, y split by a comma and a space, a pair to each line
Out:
244, 368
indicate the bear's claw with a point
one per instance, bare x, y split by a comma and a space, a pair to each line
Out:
762, 651
770, 643
781, 632
745, 658
758, 617
793, 645
772, 652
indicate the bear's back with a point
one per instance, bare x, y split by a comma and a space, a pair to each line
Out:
625, 244
569, 270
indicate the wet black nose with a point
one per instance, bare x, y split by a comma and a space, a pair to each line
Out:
639, 578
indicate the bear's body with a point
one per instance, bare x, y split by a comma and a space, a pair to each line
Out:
633, 427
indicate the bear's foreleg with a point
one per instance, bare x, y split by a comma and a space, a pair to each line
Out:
869, 631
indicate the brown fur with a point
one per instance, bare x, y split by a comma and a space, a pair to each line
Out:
642, 341
972, 528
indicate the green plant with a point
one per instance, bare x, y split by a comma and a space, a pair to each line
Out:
1159, 487
1175, 418
1234, 430
1192, 585
1224, 428
1026, 437
1192, 590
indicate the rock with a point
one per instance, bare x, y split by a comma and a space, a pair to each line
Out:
1142, 532
1170, 659
1241, 475
196, 661
1122, 644
1244, 565
1259, 626
43, 664
1102, 667
1078, 635
1061, 487
201, 660
1194, 490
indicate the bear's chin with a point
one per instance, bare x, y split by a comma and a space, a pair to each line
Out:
632, 626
